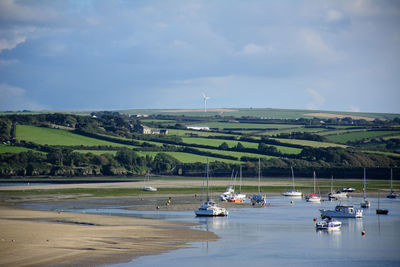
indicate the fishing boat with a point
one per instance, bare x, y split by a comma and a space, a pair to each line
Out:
365, 204
209, 207
147, 187
342, 211
328, 223
292, 192
338, 194
227, 194
392, 193
379, 210
313, 197
258, 198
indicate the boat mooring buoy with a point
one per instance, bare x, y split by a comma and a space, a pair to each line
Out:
291, 201
315, 219
362, 232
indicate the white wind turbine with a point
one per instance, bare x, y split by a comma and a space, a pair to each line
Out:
205, 101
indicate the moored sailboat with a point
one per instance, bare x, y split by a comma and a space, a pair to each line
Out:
392, 193
365, 203
292, 192
209, 207
313, 197
258, 198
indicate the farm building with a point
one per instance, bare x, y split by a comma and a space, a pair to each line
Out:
197, 128
143, 129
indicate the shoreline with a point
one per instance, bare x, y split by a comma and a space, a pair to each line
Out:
45, 238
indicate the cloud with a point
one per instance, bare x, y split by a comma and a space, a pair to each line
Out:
11, 43
317, 100
253, 49
334, 15
14, 98
314, 45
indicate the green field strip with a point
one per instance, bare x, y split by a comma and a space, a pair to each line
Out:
57, 137
300, 130
357, 136
233, 143
229, 125
96, 152
308, 143
236, 154
199, 133
390, 154
15, 149
189, 158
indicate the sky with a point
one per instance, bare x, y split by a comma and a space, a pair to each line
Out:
111, 55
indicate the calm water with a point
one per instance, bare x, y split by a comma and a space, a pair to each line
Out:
281, 234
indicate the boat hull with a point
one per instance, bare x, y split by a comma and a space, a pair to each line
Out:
292, 194
336, 214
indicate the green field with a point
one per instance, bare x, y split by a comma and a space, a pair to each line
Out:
54, 137
96, 152
233, 143
15, 149
199, 133
307, 143
235, 154
227, 125
357, 136
267, 113
189, 158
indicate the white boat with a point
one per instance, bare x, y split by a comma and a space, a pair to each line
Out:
146, 187
392, 193
365, 204
209, 207
338, 194
313, 197
227, 194
348, 189
342, 211
292, 192
328, 223
229, 190
258, 198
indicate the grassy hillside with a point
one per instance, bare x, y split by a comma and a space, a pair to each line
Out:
54, 137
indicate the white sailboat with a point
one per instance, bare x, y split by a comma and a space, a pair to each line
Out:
210, 208
147, 187
292, 192
258, 198
338, 194
237, 197
313, 197
365, 203
392, 193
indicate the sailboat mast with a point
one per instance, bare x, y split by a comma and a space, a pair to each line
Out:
364, 185
292, 177
240, 184
259, 175
314, 182
391, 178
331, 183
207, 182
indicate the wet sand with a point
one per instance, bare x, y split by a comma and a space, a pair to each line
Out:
40, 238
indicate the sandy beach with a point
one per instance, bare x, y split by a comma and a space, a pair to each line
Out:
40, 238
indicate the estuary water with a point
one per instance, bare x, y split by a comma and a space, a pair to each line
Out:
281, 233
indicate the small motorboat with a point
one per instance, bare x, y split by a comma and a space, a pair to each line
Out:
328, 223
338, 194
392, 193
342, 211
382, 211
236, 198
149, 188
348, 189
